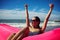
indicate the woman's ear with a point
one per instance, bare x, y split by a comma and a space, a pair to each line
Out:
38, 22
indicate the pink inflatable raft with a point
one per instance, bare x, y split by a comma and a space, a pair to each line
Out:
6, 30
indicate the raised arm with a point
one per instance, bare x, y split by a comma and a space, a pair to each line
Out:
47, 17
27, 16
21, 32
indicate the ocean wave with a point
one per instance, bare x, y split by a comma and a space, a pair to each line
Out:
24, 24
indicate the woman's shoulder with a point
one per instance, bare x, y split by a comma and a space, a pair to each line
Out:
41, 30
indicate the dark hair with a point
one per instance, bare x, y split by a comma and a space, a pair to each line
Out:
38, 20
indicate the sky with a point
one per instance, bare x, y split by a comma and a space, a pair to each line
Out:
14, 9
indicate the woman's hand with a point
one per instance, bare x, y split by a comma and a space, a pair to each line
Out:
51, 5
26, 5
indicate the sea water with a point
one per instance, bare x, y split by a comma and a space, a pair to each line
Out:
22, 23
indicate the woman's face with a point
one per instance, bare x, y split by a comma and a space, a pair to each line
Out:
34, 22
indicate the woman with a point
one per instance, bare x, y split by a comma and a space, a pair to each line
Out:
32, 29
